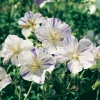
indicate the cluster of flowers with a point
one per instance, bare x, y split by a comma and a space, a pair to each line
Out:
58, 45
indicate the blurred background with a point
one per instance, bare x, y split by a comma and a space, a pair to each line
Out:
83, 16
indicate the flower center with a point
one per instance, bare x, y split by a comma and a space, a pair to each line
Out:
31, 24
55, 36
75, 56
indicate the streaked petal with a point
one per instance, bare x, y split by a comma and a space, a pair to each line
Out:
38, 18
22, 21
62, 55
84, 45
86, 59
26, 45
29, 15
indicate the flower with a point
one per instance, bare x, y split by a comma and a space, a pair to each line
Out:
52, 33
30, 22
93, 37
4, 79
41, 2
13, 46
92, 9
96, 52
97, 4
79, 54
35, 63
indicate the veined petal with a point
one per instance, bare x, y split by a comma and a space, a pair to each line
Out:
26, 45
62, 55
86, 59
42, 33
29, 15
85, 45
22, 21
74, 66
50, 47
71, 44
38, 18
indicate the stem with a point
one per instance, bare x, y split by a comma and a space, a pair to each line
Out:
97, 94
8, 68
82, 74
28, 91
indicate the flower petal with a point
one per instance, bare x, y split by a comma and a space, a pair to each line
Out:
74, 66
86, 59
22, 21
26, 32
85, 45
29, 15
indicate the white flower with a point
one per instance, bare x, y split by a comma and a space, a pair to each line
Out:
4, 79
79, 54
97, 4
92, 9
93, 37
41, 2
35, 63
96, 52
13, 46
52, 33
30, 22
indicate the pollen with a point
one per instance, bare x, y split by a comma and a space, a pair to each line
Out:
34, 68
75, 56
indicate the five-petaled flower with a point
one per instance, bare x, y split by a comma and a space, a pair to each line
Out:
35, 63
13, 46
51, 33
30, 22
79, 54
4, 79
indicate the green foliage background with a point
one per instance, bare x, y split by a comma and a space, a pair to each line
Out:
60, 85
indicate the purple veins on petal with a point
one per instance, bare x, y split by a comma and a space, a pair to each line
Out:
53, 22
48, 60
34, 52
61, 39
91, 62
23, 20
65, 28
25, 74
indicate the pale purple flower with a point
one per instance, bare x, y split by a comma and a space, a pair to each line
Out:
96, 52
4, 79
13, 46
30, 22
41, 2
77, 53
52, 32
35, 63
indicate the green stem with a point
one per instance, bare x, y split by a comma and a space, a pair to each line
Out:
97, 98
82, 74
28, 91
8, 68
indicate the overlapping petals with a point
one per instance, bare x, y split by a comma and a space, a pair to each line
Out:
52, 33
35, 63
4, 79
30, 22
13, 46
79, 54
